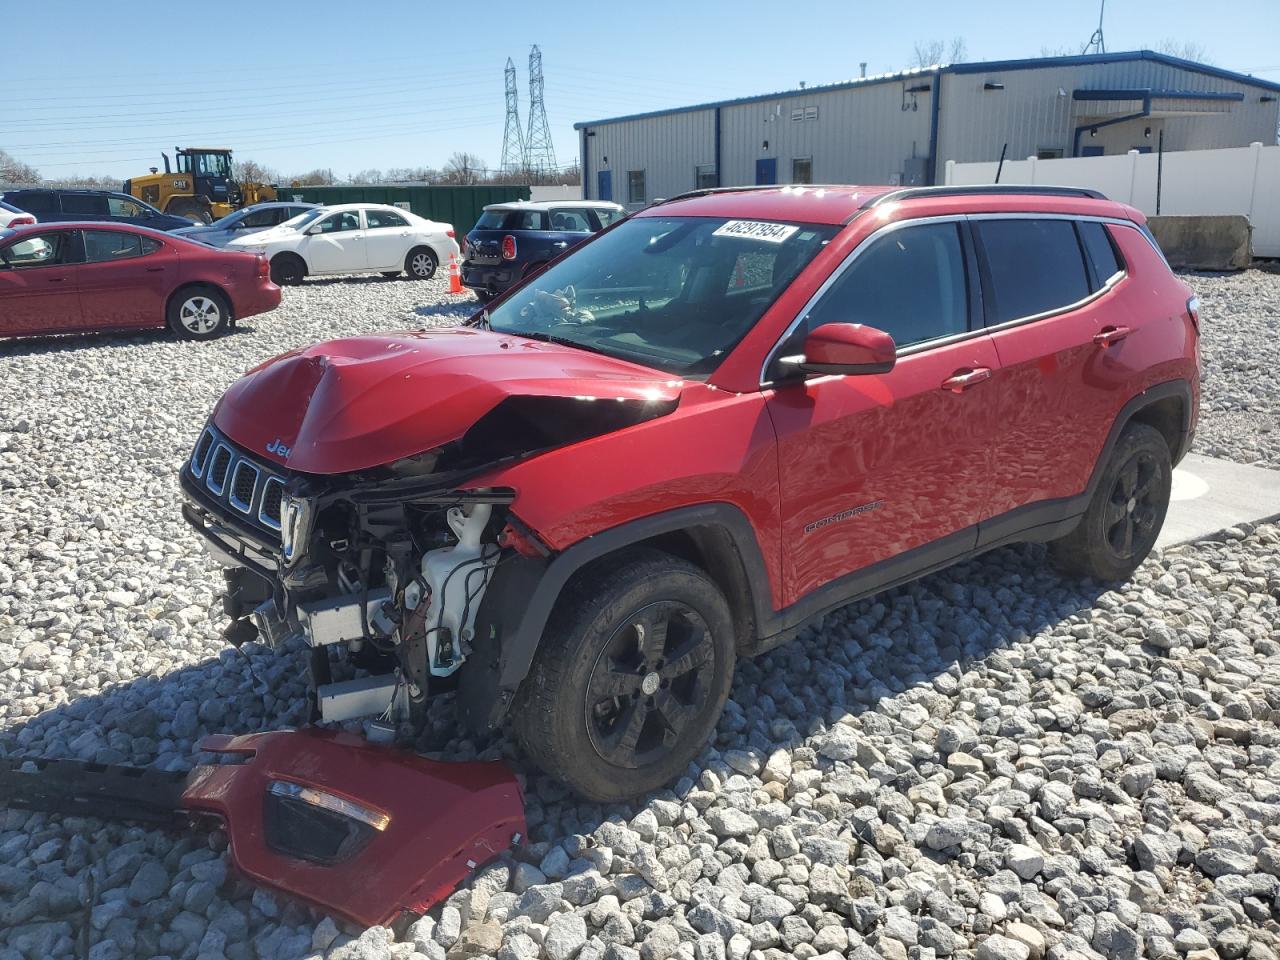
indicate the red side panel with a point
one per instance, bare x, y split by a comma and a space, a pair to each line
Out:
444, 818
717, 447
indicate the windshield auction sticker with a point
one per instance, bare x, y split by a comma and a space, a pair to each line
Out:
756, 230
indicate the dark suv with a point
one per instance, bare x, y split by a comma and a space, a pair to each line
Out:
57, 205
512, 240
729, 413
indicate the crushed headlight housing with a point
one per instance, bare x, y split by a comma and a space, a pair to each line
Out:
296, 514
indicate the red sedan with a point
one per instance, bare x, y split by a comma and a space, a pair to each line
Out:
81, 277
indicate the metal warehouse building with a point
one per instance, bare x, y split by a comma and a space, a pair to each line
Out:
901, 128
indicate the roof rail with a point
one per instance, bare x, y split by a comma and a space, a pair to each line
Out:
982, 189
709, 191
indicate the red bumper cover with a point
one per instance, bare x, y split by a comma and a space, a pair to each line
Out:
419, 826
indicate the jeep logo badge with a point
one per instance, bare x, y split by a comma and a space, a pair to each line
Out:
278, 448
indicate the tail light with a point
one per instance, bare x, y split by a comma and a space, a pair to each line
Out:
23, 221
264, 268
1193, 312
450, 234
508, 247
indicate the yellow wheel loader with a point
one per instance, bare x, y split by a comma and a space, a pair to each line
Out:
199, 185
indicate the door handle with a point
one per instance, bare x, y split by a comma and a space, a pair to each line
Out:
560, 243
55, 279
1110, 335
962, 380
155, 269
405, 233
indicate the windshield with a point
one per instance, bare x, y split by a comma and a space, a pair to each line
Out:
227, 222
302, 219
676, 293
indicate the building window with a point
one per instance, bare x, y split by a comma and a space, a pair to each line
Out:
635, 186
802, 170
797, 113
704, 176
804, 113
1049, 153
811, 113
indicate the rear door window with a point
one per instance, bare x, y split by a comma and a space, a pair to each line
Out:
103, 245
569, 220
1100, 250
384, 218
85, 204
1035, 266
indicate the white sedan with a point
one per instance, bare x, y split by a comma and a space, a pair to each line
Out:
353, 238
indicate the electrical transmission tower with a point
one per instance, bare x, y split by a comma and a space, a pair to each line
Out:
1096, 44
513, 158
539, 154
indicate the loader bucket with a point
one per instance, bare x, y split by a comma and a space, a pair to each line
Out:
363, 831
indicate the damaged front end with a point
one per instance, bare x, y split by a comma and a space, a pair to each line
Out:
354, 541
388, 565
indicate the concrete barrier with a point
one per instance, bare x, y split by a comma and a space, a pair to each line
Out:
1204, 243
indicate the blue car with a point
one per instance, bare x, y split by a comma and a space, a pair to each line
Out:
512, 240
60, 205
260, 216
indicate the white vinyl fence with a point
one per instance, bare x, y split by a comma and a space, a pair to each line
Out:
1235, 180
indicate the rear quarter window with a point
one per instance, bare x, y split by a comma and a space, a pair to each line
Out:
1100, 250
1033, 267
491, 220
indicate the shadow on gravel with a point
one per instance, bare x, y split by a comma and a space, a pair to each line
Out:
920, 637
456, 309
69, 342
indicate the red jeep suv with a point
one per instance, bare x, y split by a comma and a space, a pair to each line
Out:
713, 421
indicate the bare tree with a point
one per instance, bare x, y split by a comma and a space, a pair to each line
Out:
936, 51
372, 175
1059, 51
15, 171
463, 168
250, 171
313, 178
1186, 49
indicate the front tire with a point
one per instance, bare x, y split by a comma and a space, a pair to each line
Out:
1124, 518
421, 263
287, 270
630, 679
199, 313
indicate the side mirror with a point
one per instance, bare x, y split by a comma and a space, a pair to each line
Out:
848, 348
312, 231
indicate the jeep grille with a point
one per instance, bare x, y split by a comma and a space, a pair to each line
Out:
244, 486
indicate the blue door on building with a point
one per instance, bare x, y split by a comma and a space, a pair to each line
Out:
1091, 151
767, 170
604, 185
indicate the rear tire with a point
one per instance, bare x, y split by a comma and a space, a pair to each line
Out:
199, 313
421, 263
287, 270
630, 678
195, 212
1124, 518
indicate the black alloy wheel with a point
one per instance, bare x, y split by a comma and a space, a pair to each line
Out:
648, 683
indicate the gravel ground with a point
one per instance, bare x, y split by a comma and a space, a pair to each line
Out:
992, 763
1240, 412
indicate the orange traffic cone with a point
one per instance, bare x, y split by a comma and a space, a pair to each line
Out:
739, 277
455, 277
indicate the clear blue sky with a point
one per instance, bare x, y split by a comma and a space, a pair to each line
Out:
98, 88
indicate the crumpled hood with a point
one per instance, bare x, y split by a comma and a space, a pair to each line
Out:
366, 401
